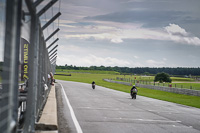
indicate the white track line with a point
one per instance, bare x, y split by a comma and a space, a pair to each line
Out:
78, 128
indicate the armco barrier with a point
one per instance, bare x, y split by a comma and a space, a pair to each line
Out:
118, 82
162, 88
173, 90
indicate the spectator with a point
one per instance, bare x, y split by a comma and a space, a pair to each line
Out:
49, 78
52, 78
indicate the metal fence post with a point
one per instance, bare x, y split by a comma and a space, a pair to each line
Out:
33, 62
8, 111
38, 67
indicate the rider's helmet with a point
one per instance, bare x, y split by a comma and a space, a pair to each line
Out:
133, 87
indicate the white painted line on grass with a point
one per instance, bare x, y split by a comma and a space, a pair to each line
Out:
78, 128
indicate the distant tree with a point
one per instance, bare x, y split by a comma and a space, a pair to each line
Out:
179, 71
162, 77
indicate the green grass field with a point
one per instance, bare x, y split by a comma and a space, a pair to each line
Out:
177, 79
166, 96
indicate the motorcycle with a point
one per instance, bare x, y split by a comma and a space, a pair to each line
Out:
93, 86
134, 93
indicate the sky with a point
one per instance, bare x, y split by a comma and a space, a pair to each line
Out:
128, 33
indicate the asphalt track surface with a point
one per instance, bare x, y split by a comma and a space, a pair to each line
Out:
103, 110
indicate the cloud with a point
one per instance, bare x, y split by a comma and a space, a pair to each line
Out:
136, 57
91, 60
178, 34
95, 25
153, 63
116, 40
89, 21
172, 32
175, 30
164, 59
149, 18
69, 48
130, 1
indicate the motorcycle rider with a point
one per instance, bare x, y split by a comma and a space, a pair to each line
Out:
133, 90
93, 84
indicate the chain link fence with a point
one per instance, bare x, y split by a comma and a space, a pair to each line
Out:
169, 87
189, 85
25, 70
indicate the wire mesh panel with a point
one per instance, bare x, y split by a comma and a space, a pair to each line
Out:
39, 67
26, 67
2, 25
9, 96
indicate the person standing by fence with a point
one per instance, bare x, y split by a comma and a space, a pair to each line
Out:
52, 78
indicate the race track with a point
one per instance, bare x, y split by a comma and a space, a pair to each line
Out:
103, 110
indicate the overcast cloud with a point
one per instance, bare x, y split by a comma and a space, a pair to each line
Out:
131, 33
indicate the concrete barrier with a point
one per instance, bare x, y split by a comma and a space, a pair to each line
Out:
48, 121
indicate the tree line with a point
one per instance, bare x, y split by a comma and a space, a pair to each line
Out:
139, 70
